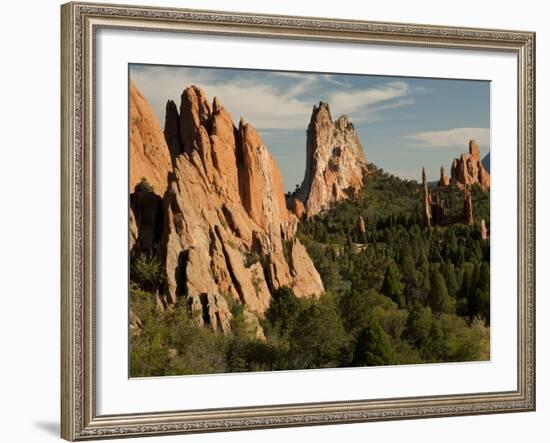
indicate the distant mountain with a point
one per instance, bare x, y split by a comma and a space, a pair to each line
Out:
486, 162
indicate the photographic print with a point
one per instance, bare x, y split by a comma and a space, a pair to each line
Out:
323, 222
297, 220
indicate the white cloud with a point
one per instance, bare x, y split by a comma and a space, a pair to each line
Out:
271, 106
450, 138
261, 104
373, 113
347, 102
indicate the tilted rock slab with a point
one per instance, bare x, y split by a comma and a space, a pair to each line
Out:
149, 155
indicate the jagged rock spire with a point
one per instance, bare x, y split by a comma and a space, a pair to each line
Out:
468, 207
483, 230
443, 178
149, 154
468, 169
426, 201
335, 162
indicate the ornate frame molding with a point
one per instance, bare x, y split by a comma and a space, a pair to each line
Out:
80, 21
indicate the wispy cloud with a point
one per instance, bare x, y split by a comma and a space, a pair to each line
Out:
285, 102
450, 138
368, 105
357, 99
263, 104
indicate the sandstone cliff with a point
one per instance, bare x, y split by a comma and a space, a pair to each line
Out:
335, 162
468, 169
227, 233
149, 155
150, 165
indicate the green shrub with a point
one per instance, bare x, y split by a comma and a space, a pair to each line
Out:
147, 271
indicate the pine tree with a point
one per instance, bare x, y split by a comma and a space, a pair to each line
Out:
419, 324
450, 278
438, 297
374, 347
478, 303
392, 286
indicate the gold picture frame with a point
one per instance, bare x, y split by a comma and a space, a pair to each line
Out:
80, 21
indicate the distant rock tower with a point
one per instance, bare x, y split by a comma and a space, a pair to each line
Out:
443, 178
468, 207
361, 228
483, 230
426, 201
468, 169
335, 162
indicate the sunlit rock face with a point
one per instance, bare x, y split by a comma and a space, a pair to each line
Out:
226, 234
335, 162
149, 155
468, 169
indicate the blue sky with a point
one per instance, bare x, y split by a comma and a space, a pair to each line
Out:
403, 123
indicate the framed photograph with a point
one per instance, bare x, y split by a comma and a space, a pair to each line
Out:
277, 221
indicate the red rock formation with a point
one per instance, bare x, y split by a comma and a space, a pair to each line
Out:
226, 223
468, 169
361, 228
261, 188
468, 207
172, 129
426, 201
483, 230
149, 155
335, 163
133, 234
443, 178
297, 207
303, 270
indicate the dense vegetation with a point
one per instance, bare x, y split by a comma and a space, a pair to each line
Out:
397, 293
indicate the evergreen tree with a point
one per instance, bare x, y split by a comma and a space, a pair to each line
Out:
410, 276
450, 278
374, 347
319, 339
419, 324
478, 303
284, 310
438, 297
392, 286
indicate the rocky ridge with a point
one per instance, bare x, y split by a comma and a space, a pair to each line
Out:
227, 234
